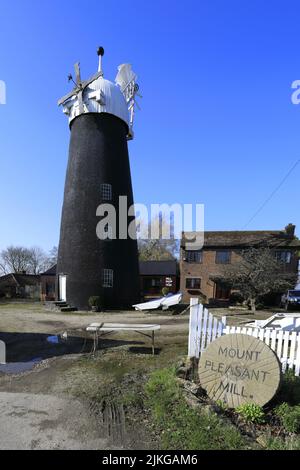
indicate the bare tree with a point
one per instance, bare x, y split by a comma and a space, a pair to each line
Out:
52, 257
164, 247
34, 260
258, 274
15, 259
38, 261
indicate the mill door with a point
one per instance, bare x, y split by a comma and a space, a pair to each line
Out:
62, 287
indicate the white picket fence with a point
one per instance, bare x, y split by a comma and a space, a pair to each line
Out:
205, 328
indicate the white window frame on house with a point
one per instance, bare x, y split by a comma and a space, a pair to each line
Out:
106, 191
107, 277
193, 279
193, 256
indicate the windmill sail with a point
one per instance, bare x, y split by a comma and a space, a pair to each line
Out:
126, 80
125, 76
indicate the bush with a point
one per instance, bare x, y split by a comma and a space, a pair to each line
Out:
290, 389
236, 298
95, 301
251, 413
289, 417
165, 291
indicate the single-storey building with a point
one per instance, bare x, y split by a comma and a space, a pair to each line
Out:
200, 269
20, 285
154, 275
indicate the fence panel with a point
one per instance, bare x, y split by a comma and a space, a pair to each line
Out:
205, 328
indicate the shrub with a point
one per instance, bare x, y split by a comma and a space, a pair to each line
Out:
236, 298
95, 301
251, 413
289, 417
223, 406
165, 291
282, 409
290, 389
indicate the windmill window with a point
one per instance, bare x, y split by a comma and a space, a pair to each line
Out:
107, 278
106, 191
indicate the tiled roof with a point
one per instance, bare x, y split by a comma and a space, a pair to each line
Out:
20, 280
242, 239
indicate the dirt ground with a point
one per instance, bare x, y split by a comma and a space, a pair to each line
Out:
55, 394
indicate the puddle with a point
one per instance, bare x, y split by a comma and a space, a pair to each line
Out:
19, 367
53, 339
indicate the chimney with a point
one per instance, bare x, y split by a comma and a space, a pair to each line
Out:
290, 230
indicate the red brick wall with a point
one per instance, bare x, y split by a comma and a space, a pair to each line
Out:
209, 268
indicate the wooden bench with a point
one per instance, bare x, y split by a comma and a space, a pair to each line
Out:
141, 328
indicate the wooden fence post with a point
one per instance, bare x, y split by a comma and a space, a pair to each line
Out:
193, 327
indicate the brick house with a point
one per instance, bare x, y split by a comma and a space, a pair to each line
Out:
200, 268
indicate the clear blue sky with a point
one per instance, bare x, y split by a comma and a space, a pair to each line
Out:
217, 124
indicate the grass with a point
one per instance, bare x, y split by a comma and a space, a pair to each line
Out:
181, 426
290, 389
277, 443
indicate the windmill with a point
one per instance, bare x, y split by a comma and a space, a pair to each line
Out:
100, 114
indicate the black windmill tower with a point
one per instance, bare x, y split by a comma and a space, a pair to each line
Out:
100, 116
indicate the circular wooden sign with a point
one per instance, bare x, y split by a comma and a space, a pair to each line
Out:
238, 369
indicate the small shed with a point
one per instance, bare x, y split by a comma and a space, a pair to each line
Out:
154, 275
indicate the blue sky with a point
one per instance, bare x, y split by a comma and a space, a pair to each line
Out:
217, 125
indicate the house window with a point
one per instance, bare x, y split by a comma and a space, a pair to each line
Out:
150, 283
106, 191
283, 256
156, 282
222, 292
193, 283
193, 256
107, 278
223, 257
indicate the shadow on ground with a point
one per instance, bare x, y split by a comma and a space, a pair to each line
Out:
25, 347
